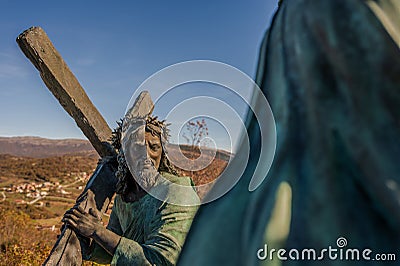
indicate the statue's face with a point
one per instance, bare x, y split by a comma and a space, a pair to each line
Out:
154, 148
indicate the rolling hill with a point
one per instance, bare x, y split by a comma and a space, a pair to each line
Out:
36, 147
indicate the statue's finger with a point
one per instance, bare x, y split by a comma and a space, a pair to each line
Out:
70, 223
78, 213
94, 213
73, 212
71, 216
81, 210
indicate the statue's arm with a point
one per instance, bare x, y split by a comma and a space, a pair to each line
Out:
166, 227
105, 241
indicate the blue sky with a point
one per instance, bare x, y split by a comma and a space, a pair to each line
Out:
112, 47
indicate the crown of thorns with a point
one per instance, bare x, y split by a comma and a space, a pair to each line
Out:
153, 125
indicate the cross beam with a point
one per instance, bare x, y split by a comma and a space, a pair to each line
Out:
55, 73
63, 84
65, 87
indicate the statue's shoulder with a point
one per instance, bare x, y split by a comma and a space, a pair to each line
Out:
180, 180
176, 189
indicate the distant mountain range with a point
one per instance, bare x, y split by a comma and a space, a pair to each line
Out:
36, 147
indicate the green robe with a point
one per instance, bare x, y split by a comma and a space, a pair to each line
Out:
153, 232
330, 70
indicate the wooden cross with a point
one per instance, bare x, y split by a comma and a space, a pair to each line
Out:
100, 188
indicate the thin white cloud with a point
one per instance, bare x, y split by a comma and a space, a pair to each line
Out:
11, 71
11, 67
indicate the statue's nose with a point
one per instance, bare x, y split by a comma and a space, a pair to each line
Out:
147, 150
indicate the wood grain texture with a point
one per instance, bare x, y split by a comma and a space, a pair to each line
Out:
55, 73
59, 79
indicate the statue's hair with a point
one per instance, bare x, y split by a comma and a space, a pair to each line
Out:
126, 182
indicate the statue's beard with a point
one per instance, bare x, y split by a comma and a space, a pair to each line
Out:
135, 187
148, 175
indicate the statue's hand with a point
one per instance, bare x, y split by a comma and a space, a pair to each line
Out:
83, 223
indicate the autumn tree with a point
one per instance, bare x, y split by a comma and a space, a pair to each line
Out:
195, 132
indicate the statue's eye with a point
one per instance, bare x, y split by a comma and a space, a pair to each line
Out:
155, 147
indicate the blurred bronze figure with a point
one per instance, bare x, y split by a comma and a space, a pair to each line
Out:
331, 72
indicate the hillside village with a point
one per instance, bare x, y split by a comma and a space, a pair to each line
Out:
34, 192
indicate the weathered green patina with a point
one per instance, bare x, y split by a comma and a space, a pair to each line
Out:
153, 232
331, 72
